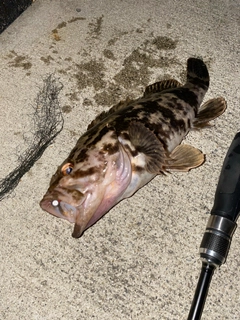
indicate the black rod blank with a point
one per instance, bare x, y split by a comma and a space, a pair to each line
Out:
201, 292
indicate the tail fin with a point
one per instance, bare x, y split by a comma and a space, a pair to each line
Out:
197, 72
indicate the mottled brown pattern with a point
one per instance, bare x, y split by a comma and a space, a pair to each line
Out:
84, 173
133, 153
171, 112
81, 156
77, 195
110, 148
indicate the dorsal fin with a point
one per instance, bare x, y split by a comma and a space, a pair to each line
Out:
146, 142
113, 109
161, 86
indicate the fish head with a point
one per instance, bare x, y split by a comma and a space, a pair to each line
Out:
82, 192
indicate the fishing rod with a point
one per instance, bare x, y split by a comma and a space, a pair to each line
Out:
221, 225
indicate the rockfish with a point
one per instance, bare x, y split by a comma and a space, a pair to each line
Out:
127, 146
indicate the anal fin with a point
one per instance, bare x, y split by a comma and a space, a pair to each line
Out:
184, 157
210, 110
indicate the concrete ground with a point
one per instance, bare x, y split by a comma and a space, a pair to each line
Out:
141, 260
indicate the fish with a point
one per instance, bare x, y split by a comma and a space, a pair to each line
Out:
126, 147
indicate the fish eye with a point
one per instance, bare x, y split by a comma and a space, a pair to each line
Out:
67, 169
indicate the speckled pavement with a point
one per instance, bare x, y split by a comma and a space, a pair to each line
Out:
141, 260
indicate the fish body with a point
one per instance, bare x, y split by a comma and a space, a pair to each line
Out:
126, 147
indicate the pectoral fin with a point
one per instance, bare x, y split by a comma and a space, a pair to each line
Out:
208, 111
184, 157
146, 142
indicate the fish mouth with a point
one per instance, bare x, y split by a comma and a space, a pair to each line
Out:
66, 211
60, 209
56, 203
61, 203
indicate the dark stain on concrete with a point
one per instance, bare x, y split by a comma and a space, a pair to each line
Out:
95, 28
112, 41
74, 19
90, 74
153, 52
61, 25
109, 54
73, 96
47, 60
66, 109
56, 35
136, 68
164, 43
19, 61
87, 102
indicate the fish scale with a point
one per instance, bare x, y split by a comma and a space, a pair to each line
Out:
127, 146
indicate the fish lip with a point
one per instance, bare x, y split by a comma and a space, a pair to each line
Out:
59, 194
46, 205
62, 210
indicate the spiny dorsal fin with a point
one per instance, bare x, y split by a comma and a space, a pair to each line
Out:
184, 157
113, 109
161, 86
208, 111
146, 142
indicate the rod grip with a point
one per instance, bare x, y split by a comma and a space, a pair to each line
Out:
227, 196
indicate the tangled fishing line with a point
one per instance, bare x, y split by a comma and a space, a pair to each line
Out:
48, 122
